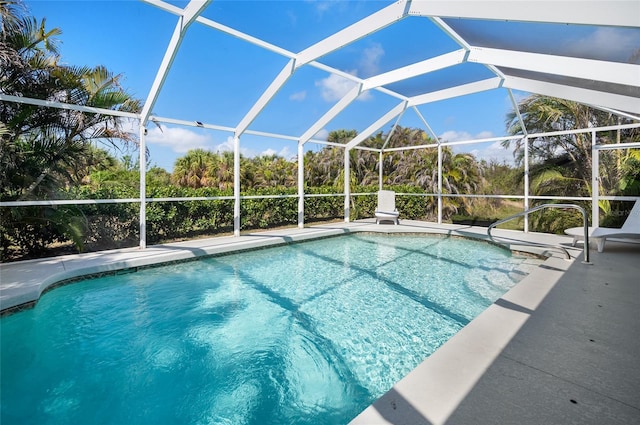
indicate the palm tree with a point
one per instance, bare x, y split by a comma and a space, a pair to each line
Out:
195, 169
273, 171
41, 147
43, 144
561, 165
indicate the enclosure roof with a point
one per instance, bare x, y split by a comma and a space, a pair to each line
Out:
435, 51
486, 45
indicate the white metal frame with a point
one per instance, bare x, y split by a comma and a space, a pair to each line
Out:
601, 12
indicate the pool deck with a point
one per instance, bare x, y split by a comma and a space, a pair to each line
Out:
560, 347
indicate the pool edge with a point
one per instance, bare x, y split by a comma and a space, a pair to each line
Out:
431, 392
23, 283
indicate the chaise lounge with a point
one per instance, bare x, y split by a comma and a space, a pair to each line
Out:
387, 207
629, 230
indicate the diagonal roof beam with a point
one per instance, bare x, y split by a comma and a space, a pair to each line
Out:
331, 114
461, 42
266, 97
461, 90
429, 65
433, 133
188, 16
516, 108
616, 112
586, 96
612, 72
397, 110
362, 28
619, 13
68, 106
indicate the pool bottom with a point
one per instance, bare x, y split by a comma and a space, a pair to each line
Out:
320, 350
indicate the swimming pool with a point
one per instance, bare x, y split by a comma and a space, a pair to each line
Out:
304, 333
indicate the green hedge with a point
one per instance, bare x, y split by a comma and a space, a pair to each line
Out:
31, 232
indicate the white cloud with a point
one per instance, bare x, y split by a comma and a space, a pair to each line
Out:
298, 96
269, 152
618, 44
370, 60
455, 136
335, 87
461, 136
178, 139
322, 134
484, 135
227, 146
284, 153
495, 152
323, 6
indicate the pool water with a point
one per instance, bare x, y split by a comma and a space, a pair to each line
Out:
305, 333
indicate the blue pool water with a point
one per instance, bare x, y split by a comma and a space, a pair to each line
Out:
307, 333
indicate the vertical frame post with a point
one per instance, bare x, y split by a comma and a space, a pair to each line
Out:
300, 185
143, 186
347, 186
236, 186
439, 183
380, 170
526, 183
595, 181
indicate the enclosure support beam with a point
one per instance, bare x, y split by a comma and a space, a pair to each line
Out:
526, 183
380, 164
300, 184
236, 186
143, 185
587, 69
266, 97
347, 186
595, 180
516, 108
398, 109
461, 90
577, 94
332, 113
188, 16
420, 68
607, 12
356, 31
439, 182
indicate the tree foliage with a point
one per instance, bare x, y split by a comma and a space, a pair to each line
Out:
44, 151
562, 164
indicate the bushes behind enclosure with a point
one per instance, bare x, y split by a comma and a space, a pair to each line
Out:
41, 231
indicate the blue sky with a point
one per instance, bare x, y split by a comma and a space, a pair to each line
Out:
216, 78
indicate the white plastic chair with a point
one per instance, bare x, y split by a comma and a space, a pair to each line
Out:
387, 207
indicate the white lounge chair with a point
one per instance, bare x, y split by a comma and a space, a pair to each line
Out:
629, 230
387, 207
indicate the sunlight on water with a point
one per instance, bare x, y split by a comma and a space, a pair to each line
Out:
306, 333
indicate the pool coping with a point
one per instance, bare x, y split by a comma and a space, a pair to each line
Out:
431, 392
23, 283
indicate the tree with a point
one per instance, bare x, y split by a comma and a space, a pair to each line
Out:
273, 171
569, 154
43, 145
561, 164
195, 169
42, 148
